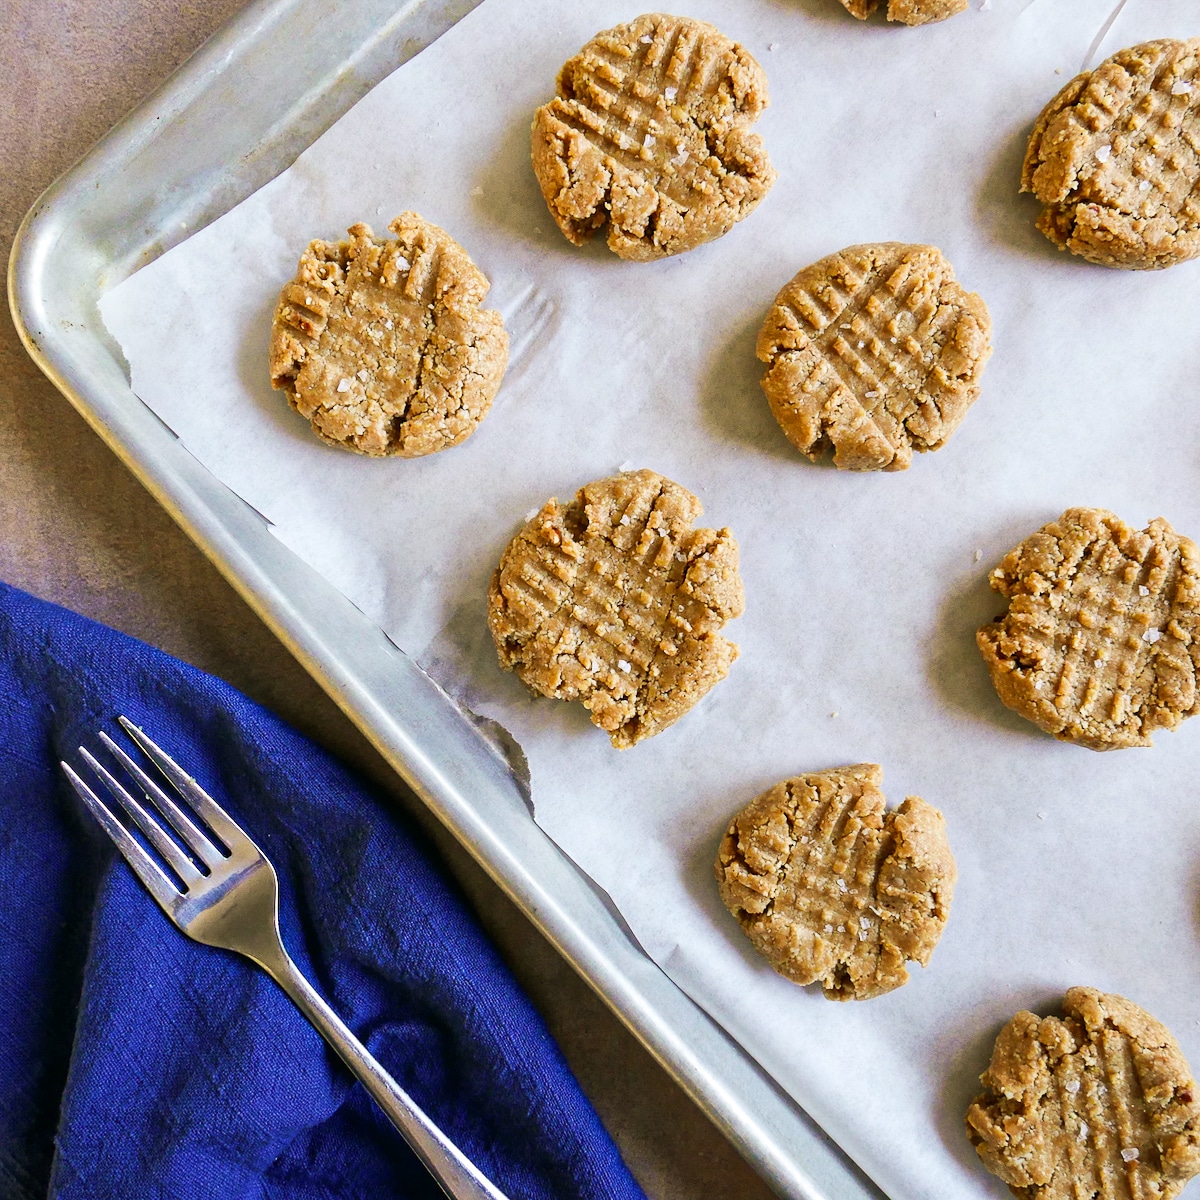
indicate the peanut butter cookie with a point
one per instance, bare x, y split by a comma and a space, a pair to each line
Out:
1115, 158
831, 887
650, 132
382, 345
875, 351
1098, 646
911, 12
615, 600
1099, 1102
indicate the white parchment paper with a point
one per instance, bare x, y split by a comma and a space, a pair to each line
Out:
863, 591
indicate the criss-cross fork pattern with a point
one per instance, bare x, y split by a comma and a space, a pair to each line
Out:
616, 600
1117, 154
1140, 114
623, 100
381, 343
1094, 1107
827, 889
876, 351
1098, 643
649, 132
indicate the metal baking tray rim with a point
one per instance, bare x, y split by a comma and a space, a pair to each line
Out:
174, 164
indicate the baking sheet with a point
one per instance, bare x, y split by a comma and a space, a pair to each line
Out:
862, 591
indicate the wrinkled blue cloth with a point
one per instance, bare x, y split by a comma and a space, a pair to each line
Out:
137, 1065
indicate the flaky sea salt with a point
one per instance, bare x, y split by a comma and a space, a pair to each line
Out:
828, 928
1181, 88
861, 345
364, 375
626, 466
1143, 590
773, 46
1151, 635
671, 92
645, 39
1129, 1153
403, 263
841, 883
1144, 186
1104, 153
389, 324
681, 158
978, 555
872, 395
985, 5
626, 667
1083, 1131
343, 385
1072, 1086
533, 512
649, 140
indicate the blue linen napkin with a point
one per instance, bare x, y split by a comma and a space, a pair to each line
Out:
136, 1064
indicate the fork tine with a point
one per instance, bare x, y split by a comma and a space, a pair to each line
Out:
155, 834
219, 821
197, 840
144, 867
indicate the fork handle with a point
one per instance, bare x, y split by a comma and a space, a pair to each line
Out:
457, 1176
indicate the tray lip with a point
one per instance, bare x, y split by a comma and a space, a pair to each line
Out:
775, 1135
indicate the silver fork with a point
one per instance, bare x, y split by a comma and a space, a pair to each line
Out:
231, 900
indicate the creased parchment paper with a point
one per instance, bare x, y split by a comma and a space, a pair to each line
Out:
863, 591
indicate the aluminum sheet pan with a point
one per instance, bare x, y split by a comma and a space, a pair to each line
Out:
231, 118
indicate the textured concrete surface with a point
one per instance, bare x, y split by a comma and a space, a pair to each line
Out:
75, 528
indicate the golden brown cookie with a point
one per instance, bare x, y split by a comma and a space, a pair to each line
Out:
911, 12
650, 132
1098, 646
875, 351
831, 887
1115, 157
382, 345
615, 600
1099, 1102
